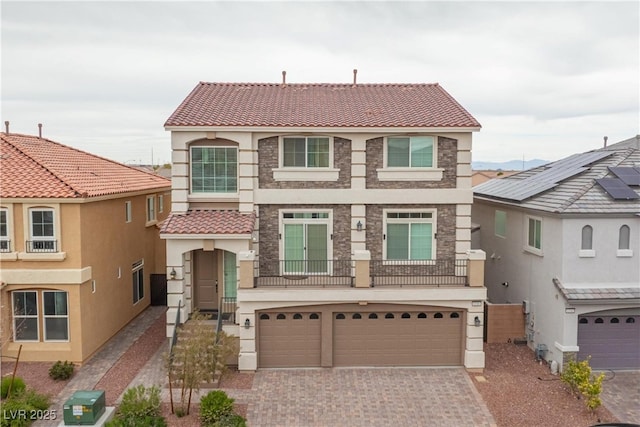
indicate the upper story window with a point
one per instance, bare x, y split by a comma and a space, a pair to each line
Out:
409, 235
410, 151
160, 203
306, 152
214, 169
534, 235
5, 242
500, 223
587, 237
151, 208
41, 231
127, 211
624, 242
306, 242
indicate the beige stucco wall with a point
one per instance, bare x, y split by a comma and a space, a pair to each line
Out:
98, 245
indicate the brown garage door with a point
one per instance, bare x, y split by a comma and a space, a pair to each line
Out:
398, 338
288, 339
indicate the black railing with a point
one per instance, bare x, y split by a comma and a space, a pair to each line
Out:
5, 245
42, 246
227, 310
301, 273
176, 325
418, 273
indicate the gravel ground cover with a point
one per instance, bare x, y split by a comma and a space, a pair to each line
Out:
36, 376
522, 392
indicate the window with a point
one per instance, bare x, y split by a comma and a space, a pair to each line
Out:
500, 223
160, 203
5, 243
305, 243
409, 235
306, 152
534, 234
230, 275
624, 237
587, 238
138, 280
26, 319
151, 208
42, 231
410, 151
127, 211
25, 316
214, 169
56, 316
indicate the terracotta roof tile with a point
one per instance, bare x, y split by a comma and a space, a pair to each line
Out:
32, 167
209, 222
320, 105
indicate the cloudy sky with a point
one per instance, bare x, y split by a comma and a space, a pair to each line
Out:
545, 79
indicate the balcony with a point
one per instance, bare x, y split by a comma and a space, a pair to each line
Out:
359, 273
5, 245
40, 246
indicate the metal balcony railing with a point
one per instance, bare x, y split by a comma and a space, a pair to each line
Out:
227, 310
42, 246
5, 245
418, 273
303, 273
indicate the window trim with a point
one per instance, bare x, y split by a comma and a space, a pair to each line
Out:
503, 228
54, 232
306, 148
410, 173
36, 316
527, 247
296, 173
434, 227
624, 252
586, 242
151, 210
8, 238
160, 203
136, 290
328, 221
54, 316
128, 214
217, 194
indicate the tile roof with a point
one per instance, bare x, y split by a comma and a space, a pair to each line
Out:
578, 193
586, 294
320, 105
32, 167
201, 221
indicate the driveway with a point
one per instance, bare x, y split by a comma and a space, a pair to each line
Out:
621, 394
363, 397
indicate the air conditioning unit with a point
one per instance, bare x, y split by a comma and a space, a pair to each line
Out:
526, 307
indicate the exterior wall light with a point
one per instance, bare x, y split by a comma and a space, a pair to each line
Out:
173, 274
476, 321
359, 226
247, 323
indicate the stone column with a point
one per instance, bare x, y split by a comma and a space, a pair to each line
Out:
246, 261
475, 267
362, 260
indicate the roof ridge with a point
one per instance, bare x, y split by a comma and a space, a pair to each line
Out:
318, 84
39, 164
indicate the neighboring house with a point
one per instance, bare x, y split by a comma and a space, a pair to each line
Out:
480, 176
336, 216
563, 240
79, 244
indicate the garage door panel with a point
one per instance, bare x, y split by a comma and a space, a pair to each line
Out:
288, 342
613, 342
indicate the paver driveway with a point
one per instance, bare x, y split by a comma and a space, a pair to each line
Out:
363, 397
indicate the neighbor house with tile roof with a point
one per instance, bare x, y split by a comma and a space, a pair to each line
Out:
79, 245
563, 240
327, 224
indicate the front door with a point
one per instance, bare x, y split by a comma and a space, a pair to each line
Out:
206, 280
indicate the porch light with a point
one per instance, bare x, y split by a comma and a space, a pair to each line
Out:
173, 273
247, 323
359, 225
476, 321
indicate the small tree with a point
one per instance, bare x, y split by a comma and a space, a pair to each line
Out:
579, 377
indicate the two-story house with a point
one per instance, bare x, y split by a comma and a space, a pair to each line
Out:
563, 240
336, 216
79, 243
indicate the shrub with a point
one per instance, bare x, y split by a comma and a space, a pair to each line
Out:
580, 379
233, 420
61, 370
17, 387
15, 409
140, 402
147, 421
214, 406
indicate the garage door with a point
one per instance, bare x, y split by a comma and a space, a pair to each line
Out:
613, 342
288, 339
397, 338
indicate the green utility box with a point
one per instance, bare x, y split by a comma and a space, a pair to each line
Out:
85, 407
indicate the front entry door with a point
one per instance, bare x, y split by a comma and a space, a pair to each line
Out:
206, 279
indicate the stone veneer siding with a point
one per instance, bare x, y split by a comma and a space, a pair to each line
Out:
270, 242
446, 229
268, 160
447, 159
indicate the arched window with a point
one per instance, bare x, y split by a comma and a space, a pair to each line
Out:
614, 320
406, 316
422, 315
630, 320
281, 316
587, 238
264, 317
340, 316
314, 316
297, 316
356, 316
454, 315
583, 320
373, 316
438, 316
624, 237
389, 316
599, 320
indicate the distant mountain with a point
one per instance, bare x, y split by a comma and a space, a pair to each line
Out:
511, 165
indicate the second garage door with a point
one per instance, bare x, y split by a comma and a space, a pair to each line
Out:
612, 342
289, 339
398, 338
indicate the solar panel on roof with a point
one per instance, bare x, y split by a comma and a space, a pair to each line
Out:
617, 189
628, 175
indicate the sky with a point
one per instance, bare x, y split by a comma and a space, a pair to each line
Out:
545, 79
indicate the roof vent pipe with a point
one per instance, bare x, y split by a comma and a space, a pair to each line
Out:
605, 141
39, 130
284, 78
6, 126
355, 75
